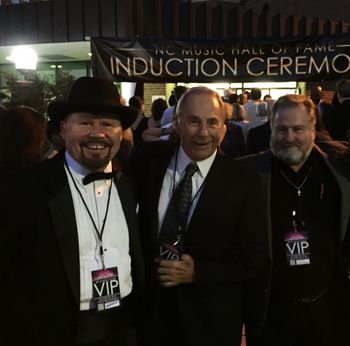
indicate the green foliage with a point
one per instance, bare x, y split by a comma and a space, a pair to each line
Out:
37, 92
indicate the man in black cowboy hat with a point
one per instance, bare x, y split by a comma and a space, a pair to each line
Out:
73, 267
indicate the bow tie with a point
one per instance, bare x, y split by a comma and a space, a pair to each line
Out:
97, 176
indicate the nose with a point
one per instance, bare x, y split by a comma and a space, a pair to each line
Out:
290, 136
96, 131
203, 129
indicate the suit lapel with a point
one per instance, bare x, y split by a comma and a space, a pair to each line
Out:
213, 185
64, 223
158, 170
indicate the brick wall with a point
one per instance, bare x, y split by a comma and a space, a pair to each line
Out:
155, 89
327, 87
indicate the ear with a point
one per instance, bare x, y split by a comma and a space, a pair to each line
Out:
176, 122
63, 126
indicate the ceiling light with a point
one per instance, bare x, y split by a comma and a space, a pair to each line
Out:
24, 58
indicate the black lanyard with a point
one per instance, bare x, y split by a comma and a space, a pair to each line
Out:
99, 233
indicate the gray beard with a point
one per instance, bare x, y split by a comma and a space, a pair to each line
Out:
291, 156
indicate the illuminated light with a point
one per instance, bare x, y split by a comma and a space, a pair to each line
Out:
24, 58
53, 66
59, 66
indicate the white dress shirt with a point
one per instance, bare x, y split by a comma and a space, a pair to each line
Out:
115, 239
176, 170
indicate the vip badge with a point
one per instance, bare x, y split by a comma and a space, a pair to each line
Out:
106, 290
297, 248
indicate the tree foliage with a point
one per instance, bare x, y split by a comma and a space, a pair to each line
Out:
37, 92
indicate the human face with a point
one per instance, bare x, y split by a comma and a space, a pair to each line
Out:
292, 136
200, 126
91, 139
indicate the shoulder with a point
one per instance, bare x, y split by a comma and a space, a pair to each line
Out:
264, 128
146, 150
339, 162
260, 161
234, 167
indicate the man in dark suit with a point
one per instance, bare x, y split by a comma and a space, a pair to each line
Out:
258, 138
324, 109
199, 261
308, 214
74, 268
340, 124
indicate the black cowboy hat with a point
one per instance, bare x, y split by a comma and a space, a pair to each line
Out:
90, 94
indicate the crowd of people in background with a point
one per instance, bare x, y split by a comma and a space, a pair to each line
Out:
177, 227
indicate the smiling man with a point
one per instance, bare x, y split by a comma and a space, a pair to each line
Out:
200, 240
76, 251
308, 218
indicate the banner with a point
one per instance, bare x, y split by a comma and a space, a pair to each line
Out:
207, 61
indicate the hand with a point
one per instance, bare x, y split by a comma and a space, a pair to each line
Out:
173, 273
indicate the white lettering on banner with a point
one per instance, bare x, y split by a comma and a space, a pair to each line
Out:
140, 66
334, 61
212, 67
250, 71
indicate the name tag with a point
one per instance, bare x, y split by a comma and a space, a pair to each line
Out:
106, 290
297, 248
170, 252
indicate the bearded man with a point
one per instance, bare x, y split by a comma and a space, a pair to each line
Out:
308, 216
74, 270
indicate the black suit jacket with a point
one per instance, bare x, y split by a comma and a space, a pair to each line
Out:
42, 255
339, 121
226, 238
259, 138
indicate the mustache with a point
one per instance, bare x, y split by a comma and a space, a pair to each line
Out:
102, 142
290, 145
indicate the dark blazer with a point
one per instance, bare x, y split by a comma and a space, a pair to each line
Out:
262, 163
339, 121
226, 238
233, 143
259, 138
42, 262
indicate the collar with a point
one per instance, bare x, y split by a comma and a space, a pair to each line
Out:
204, 166
78, 171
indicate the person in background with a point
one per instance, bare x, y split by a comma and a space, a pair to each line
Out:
157, 109
238, 113
308, 197
267, 97
203, 233
227, 93
341, 115
258, 138
251, 107
140, 124
324, 109
74, 274
55, 139
23, 139
167, 117
244, 97
233, 142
